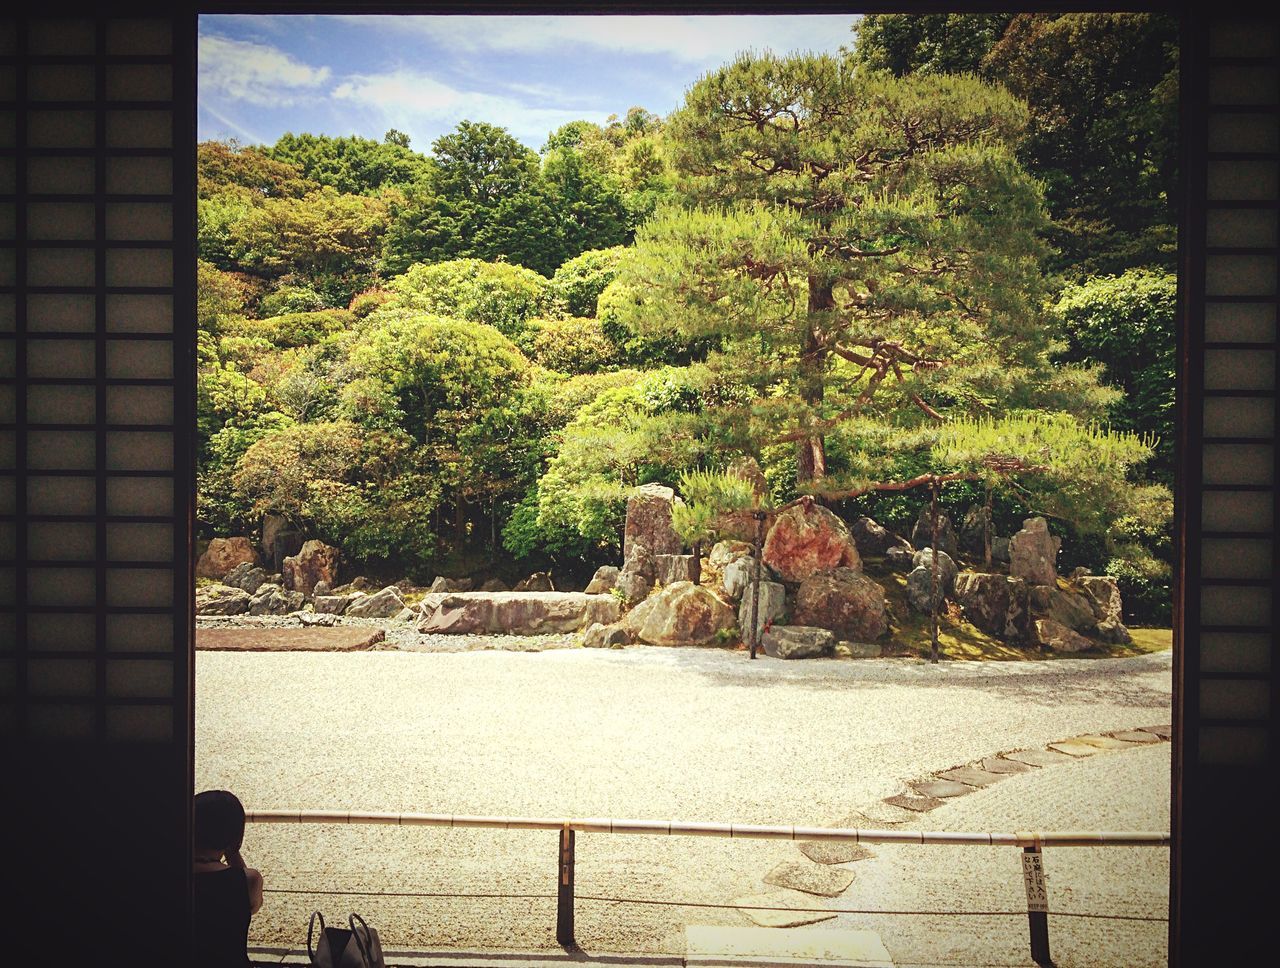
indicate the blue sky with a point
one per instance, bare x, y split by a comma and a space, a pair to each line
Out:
261, 76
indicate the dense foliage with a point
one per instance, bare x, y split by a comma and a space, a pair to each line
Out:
845, 270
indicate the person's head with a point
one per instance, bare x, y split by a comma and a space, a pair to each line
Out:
218, 821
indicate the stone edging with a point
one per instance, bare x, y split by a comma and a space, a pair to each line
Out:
803, 881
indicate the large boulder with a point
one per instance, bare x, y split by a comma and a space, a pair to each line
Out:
680, 614
723, 552
797, 642
772, 604
443, 584
946, 567
224, 554
1104, 595
996, 604
539, 581
1000, 549
739, 573
221, 600
872, 538
515, 613
632, 587
807, 539
246, 575
1056, 636
603, 580
922, 533
1065, 606
315, 562
271, 599
673, 568
900, 558
649, 521
280, 539
605, 637
494, 585
973, 530
383, 604
922, 594
335, 604
1033, 553
845, 601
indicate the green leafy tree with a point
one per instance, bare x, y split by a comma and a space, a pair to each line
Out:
1127, 323
223, 167
579, 282
865, 248
353, 165
936, 43
503, 296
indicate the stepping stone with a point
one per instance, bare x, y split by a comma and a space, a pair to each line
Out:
801, 875
1164, 732
717, 945
317, 639
1038, 757
1106, 742
1136, 736
1074, 747
918, 804
788, 918
878, 816
833, 851
998, 764
971, 776
942, 788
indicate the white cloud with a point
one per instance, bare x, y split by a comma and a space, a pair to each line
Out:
699, 40
259, 74
413, 101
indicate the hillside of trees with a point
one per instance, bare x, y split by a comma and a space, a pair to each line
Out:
951, 245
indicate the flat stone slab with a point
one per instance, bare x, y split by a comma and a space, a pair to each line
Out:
1137, 736
717, 945
1074, 747
315, 639
972, 776
786, 918
998, 764
942, 788
833, 851
515, 613
917, 804
1106, 742
800, 875
1164, 732
1038, 757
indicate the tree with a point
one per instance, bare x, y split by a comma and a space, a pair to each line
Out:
1127, 323
225, 165
353, 165
1102, 89
862, 245
505, 297
482, 163
936, 43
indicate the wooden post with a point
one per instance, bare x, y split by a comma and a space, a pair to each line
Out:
933, 574
564, 892
1037, 905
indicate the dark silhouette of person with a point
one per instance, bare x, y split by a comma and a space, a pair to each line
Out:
227, 892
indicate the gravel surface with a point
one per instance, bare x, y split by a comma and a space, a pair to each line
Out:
687, 734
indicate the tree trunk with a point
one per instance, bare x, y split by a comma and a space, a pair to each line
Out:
811, 453
987, 528
460, 523
696, 570
933, 574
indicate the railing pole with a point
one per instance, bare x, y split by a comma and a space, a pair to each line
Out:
1037, 905
564, 894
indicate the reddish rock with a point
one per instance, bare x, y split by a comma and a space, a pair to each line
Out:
224, 554
1058, 637
808, 539
845, 601
649, 521
681, 614
315, 562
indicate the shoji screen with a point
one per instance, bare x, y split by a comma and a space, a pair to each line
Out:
1227, 732
96, 344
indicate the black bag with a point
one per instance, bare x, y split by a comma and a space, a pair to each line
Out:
357, 947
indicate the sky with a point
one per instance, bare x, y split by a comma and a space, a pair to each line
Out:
261, 76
